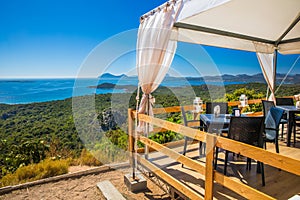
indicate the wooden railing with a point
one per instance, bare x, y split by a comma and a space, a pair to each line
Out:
273, 159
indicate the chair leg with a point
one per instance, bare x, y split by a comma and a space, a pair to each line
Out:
184, 147
294, 135
262, 173
265, 145
200, 148
248, 165
276, 145
282, 127
216, 157
225, 164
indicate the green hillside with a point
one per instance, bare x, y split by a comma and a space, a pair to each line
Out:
32, 132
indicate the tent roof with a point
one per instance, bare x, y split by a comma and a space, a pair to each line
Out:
251, 25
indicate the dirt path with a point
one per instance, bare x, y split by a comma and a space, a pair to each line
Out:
84, 188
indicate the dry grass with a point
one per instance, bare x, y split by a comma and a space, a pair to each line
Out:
32, 172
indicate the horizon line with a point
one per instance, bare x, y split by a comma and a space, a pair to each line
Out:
74, 77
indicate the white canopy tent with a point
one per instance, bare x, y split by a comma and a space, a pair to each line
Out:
252, 25
261, 26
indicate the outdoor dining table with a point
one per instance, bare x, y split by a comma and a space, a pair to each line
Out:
214, 123
291, 111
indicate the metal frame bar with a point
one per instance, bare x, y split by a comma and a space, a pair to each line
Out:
241, 36
220, 32
290, 40
274, 70
292, 25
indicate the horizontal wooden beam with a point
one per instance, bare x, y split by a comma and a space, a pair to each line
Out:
255, 114
236, 186
267, 157
174, 155
158, 129
274, 159
182, 188
237, 103
239, 187
178, 128
190, 107
169, 145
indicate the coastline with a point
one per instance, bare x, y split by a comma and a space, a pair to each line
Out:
36, 90
21, 91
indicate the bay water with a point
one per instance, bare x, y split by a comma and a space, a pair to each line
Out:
23, 91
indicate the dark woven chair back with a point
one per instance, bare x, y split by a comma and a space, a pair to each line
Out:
272, 121
267, 105
210, 107
247, 130
284, 101
275, 115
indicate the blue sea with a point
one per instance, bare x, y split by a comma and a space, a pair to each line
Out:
24, 91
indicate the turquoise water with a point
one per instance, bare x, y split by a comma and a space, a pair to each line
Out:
23, 91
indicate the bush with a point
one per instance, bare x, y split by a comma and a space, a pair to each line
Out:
118, 137
45, 169
87, 158
107, 152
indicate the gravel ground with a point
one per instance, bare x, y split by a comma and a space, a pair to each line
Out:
84, 188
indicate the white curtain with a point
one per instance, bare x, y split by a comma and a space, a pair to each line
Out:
155, 52
266, 62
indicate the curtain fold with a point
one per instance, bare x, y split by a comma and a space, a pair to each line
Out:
266, 62
155, 52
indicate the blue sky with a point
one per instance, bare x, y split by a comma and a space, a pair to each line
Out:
53, 38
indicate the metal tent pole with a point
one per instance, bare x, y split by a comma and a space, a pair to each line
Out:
274, 71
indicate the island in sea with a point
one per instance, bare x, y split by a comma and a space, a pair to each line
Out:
171, 81
127, 88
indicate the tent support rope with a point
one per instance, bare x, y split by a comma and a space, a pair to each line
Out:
292, 67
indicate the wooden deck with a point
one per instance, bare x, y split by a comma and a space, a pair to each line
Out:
198, 179
279, 184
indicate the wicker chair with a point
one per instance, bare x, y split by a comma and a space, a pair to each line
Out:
223, 110
247, 130
284, 101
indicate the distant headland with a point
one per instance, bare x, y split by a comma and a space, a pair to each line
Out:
258, 78
114, 86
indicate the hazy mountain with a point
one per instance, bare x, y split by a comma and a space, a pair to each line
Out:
108, 75
291, 79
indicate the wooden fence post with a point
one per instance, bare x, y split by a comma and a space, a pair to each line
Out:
131, 141
209, 170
